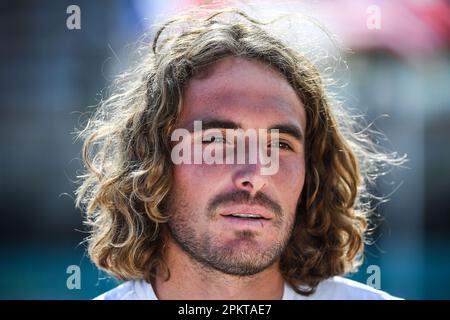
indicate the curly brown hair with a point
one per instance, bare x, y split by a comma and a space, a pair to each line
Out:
129, 169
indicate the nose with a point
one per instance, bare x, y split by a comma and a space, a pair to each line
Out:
249, 178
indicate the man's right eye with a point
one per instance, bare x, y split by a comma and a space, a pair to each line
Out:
214, 139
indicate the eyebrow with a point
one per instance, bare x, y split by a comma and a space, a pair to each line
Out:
283, 128
219, 124
289, 129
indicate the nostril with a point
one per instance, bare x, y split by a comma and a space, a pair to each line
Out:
246, 184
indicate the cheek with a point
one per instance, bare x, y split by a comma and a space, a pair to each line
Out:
290, 180
197, 182
185, 203
186, 178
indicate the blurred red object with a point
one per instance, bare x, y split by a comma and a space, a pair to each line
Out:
404, 27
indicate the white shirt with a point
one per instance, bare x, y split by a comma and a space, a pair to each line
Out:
335, 288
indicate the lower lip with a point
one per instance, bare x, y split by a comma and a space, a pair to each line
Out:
247, 222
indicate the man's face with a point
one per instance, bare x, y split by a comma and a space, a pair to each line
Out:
208, 201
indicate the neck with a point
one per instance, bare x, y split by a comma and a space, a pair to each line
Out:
191, 280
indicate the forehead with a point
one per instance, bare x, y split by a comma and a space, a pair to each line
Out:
245, 91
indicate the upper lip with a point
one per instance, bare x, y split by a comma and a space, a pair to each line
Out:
247, 209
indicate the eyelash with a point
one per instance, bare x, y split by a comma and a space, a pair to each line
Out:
285, 146
213, 139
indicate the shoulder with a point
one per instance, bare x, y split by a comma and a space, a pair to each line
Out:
130, 290
339, 288
342, 288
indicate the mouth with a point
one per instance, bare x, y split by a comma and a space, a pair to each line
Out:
247, 212
247, 215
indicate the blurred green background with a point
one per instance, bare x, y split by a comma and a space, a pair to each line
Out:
50, 74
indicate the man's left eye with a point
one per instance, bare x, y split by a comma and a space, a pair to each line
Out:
280, 144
